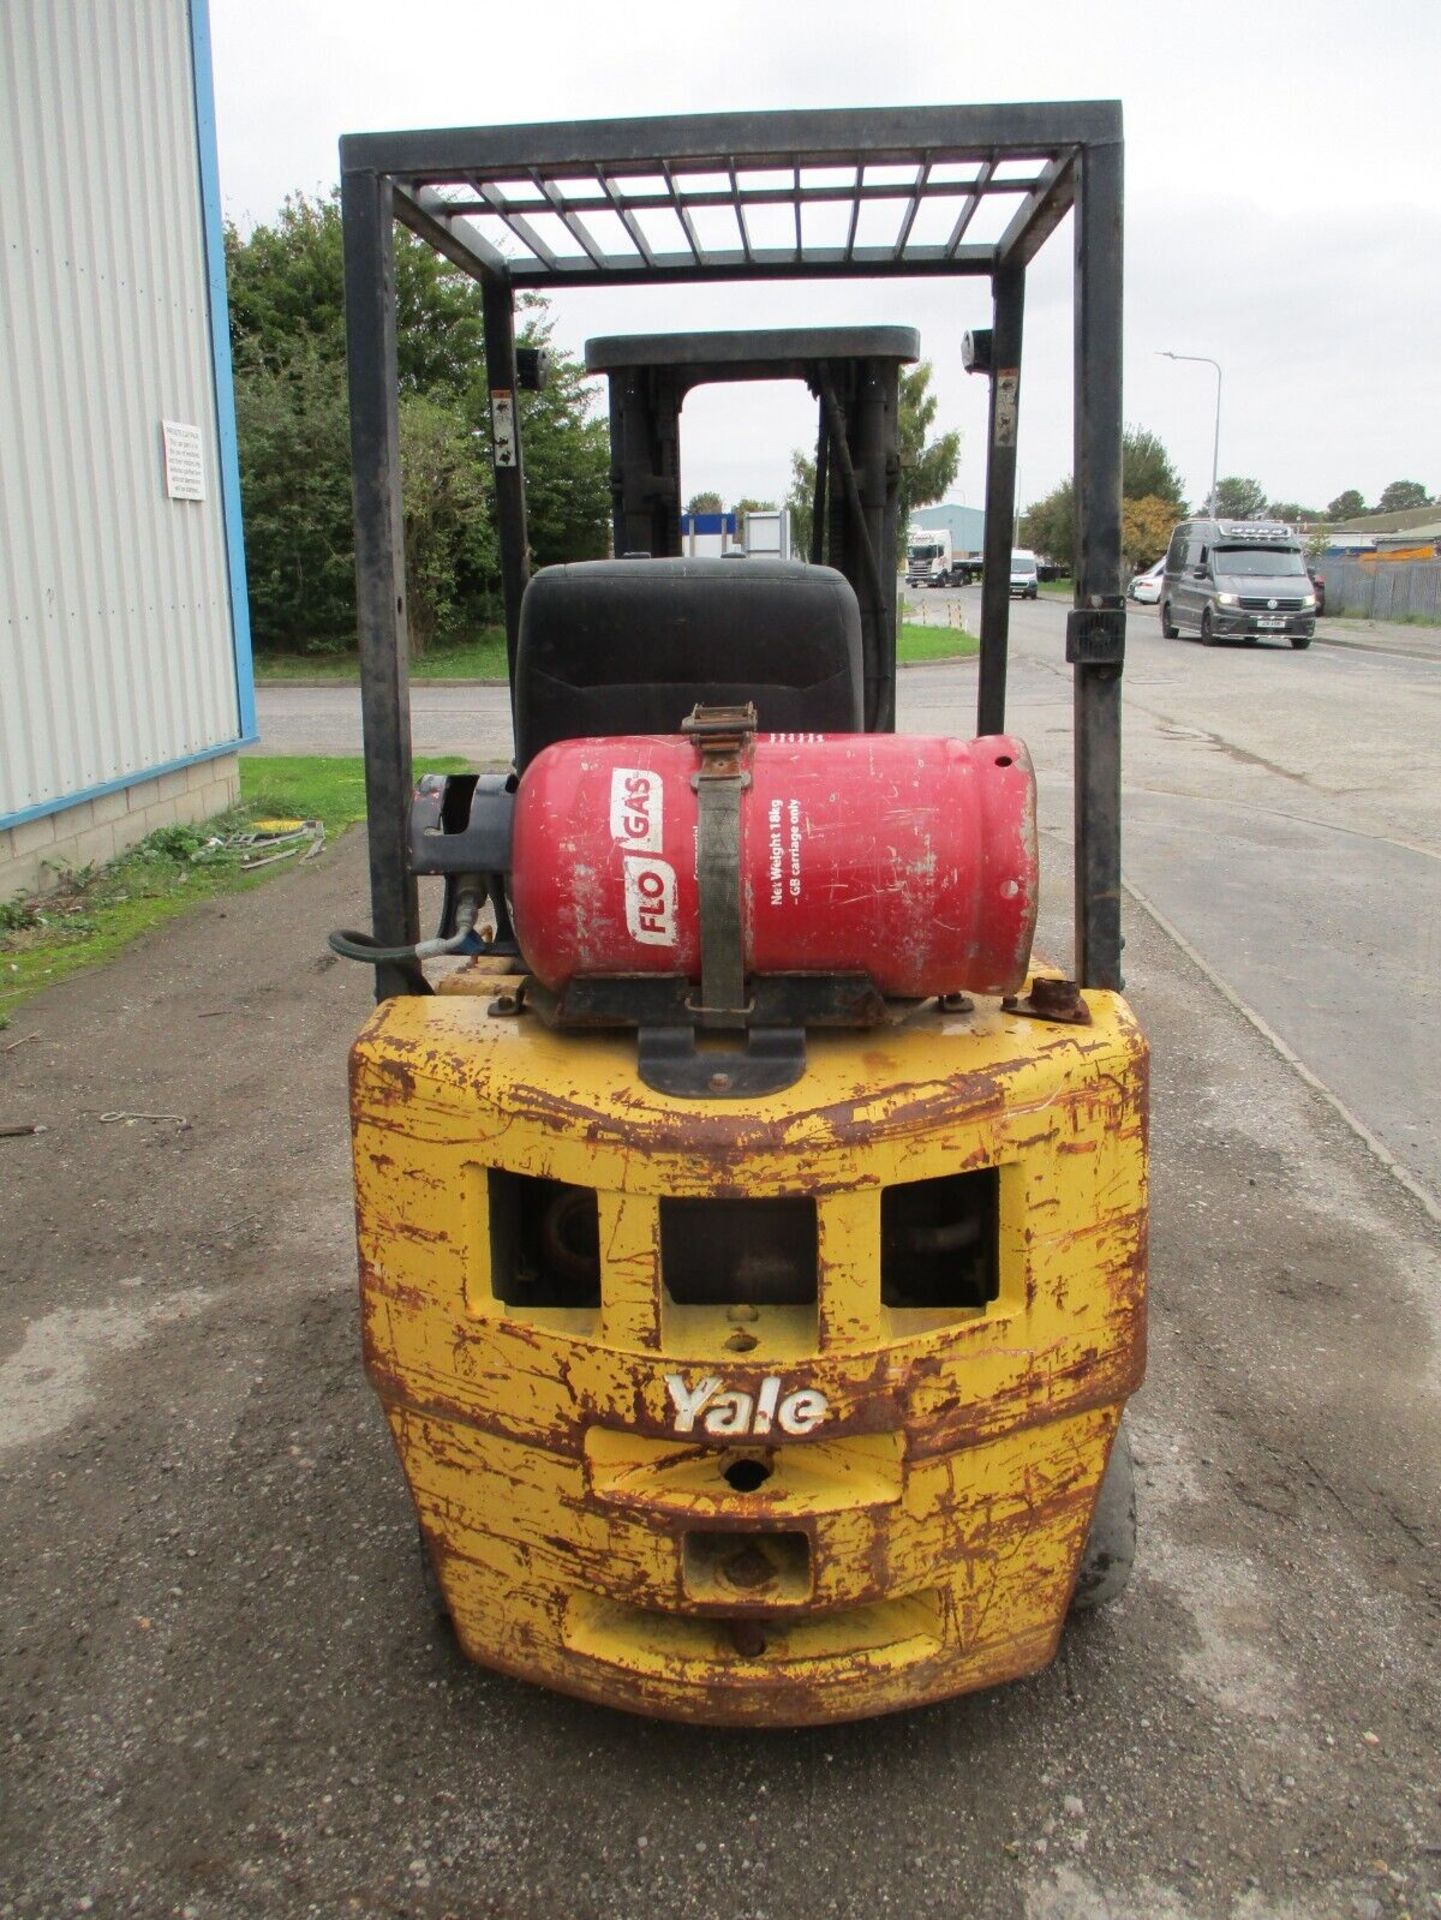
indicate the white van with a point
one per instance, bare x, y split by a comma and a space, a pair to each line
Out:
1025, 580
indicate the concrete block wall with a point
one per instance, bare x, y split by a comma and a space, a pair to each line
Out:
35, 855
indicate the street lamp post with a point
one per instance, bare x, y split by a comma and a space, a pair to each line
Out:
1206, 361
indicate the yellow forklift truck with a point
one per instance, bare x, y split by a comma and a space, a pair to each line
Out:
752, 1237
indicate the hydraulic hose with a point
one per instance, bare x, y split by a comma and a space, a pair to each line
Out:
352, 945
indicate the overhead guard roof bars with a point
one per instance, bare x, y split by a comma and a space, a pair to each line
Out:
876, 193
552, 205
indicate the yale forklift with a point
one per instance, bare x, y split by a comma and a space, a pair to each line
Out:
752, 1233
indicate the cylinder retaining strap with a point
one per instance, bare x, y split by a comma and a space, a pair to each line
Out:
722, 737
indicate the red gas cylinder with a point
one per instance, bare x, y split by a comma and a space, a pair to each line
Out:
913, 860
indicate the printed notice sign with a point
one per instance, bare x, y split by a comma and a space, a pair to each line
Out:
184, 467
1008, 393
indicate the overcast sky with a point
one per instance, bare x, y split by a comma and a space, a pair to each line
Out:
1283, 197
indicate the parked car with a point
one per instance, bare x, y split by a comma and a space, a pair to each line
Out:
1025, 580
1145, 588
1318, 587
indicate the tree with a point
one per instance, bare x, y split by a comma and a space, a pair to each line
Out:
1239, 498
705, 503
1145, 531
1401, 495
293, 426
286, 285
1293, 512
1346, 505
566, 452
451, 553
1150, 487
743, 507
801, 500
1147, 473
926, 471
1048, 526
287, 281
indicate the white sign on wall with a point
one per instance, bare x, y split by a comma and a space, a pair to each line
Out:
184, 467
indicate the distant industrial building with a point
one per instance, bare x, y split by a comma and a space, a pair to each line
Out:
1410, 532
125, 673
966, 525
1409, 526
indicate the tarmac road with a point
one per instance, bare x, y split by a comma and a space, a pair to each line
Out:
1282, 813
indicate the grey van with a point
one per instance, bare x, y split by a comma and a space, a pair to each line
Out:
1237, 580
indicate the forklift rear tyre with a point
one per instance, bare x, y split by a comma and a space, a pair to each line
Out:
1169, 629
430, 1580
1110, 1549
1300, 641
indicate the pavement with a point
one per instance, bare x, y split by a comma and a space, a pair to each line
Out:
1381, 636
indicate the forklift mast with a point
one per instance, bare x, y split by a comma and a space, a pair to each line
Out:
854, 374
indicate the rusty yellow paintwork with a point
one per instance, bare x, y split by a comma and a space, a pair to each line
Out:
921, 1542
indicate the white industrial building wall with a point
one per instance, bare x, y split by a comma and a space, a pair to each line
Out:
117, 651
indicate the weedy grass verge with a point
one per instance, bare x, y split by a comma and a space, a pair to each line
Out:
95, 911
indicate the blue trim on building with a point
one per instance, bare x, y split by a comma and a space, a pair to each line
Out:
227, 448
69, 800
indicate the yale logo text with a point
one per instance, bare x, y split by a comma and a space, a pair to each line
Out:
728, 1413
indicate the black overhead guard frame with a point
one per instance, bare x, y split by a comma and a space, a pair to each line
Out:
749, 196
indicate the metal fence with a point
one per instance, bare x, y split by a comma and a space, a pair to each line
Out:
1383, 589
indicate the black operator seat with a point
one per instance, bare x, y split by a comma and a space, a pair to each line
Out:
630, 646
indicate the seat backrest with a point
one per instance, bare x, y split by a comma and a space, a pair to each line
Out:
630, 646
